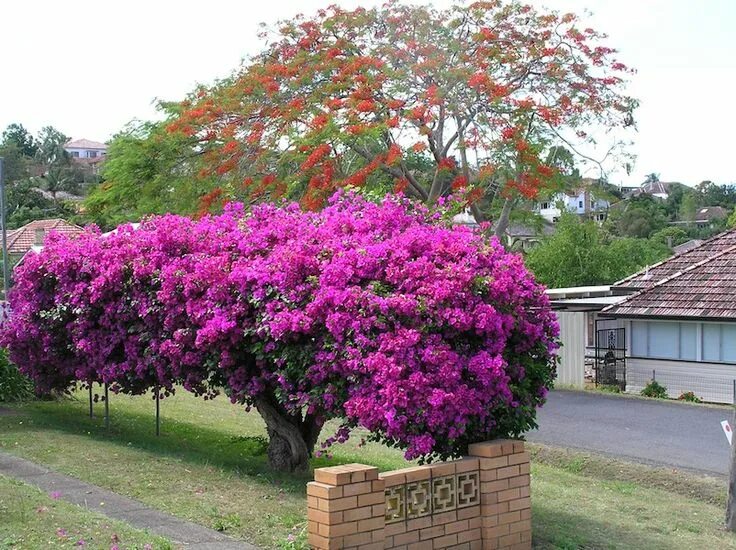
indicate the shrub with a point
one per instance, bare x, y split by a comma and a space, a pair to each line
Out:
13, 385
690, 396
654, 389
429, 336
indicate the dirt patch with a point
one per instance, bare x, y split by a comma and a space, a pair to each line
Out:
711, 490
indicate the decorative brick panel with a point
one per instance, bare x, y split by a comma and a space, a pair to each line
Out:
476, 503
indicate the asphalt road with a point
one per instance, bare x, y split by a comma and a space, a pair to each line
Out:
648, 431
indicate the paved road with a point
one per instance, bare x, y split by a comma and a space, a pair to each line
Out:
648, 431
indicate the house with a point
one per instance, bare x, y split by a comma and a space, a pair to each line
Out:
88, 153
658, 189
580, 201
85, 149
680, 324
31, 236
705, 217
674, 322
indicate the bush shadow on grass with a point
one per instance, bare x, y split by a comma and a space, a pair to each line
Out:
243, 455
186, 441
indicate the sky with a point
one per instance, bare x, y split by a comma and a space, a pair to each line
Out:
88, 68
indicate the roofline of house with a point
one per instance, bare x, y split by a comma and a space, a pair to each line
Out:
674, 276
633, 316
643, 271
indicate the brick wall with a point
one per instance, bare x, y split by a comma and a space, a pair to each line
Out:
479, 502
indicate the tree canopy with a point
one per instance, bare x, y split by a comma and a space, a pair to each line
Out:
578, 254
466, 100
429, 336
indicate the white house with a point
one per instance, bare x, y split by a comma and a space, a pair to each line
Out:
580, 202
85, 149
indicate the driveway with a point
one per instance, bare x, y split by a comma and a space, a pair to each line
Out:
642, 430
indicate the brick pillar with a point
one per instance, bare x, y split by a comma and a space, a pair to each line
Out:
346, 508
505, 502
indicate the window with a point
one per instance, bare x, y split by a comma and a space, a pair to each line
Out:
75, 154
639, 345
545, 205
664, 340
91, 154
580, 204
711, 342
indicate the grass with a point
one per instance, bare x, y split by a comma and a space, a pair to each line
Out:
31, 519
209, 466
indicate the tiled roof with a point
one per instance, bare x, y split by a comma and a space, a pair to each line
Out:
23, 239
704, 290
663, 270
84, 144
708, 213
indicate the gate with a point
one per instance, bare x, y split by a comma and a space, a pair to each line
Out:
610, 357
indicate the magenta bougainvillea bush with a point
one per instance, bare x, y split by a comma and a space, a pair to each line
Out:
427, 336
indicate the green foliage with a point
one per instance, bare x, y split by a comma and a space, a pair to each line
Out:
676, 234
13, 385
578, 255
637, 217
654, 389
147, 171
690, 397
17, 136
732, 219
609, 388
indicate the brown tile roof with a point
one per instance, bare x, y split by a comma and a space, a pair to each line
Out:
23, 239
663, 270
704, 290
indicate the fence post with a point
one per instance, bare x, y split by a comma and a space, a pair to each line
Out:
91, 411
158, 414
734, 392
654, 375
107, 407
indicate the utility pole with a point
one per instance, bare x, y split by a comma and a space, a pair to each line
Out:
3, 228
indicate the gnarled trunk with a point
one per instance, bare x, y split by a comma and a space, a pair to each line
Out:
291, 437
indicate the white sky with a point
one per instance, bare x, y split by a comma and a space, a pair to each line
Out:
88, 68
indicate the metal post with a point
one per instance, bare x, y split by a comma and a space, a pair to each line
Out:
158, 413
107, 408
654, 375
91, 412
734, 392
6, 267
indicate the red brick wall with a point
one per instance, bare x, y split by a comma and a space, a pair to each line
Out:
480, 502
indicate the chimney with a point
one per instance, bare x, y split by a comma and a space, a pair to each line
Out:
38, 236
669, 241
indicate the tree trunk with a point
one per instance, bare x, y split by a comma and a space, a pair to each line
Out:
291, 438
503, 219
731, 506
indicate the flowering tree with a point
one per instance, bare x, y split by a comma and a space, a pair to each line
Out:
428, 102
428, 336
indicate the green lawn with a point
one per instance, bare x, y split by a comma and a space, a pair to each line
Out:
209, 466
31, 519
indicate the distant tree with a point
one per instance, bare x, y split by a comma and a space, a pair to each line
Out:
148, 170
578, 255
51, 147
711, 194
651, 178
688, 207
16, 134
637, 217
732, 219
676, 235
15, 163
